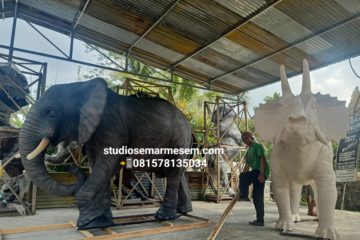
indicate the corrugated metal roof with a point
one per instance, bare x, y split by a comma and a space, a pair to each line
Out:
242, 7
235, 51
64, 11
352, 6
315, 45
281, 25
232, 45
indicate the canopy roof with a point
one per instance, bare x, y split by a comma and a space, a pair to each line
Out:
229, 46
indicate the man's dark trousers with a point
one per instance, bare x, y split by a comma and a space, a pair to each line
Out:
246, 179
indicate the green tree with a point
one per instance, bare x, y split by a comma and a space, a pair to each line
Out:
276, 95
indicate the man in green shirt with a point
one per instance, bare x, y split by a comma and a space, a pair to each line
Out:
255, 159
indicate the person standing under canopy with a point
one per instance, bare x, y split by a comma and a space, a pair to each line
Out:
255, 172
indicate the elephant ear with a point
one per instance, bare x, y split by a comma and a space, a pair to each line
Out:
269, 120
91, 111
333, 116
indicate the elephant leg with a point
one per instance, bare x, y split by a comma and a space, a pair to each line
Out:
295, 197
167, 211
105, 200
325, 182
281, 191
93, 198
184, 197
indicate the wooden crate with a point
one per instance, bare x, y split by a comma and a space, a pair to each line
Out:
196, 182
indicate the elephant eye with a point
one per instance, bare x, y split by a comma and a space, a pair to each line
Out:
51, 113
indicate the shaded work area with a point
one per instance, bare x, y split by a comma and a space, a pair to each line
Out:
230, 47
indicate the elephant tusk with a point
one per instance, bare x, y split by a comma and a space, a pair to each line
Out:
42, 145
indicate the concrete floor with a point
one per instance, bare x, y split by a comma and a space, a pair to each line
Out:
236, 226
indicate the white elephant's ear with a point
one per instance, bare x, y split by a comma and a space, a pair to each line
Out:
333, 116
269, 120
91, 112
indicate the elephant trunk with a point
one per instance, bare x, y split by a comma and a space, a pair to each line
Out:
28, 141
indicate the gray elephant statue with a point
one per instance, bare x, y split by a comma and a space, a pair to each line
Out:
92, 114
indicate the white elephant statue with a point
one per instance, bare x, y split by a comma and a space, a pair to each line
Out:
301, 128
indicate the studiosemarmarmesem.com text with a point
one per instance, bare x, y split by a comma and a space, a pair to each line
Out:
161, 151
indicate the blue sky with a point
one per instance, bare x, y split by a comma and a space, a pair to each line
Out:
337, 80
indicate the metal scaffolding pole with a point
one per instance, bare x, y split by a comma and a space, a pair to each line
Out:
12, 41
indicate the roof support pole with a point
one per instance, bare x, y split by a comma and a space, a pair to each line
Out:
127, 61
47, 39
105, 56
71, 46
78, 15
12, 40
2, 7
76, 21
42, 82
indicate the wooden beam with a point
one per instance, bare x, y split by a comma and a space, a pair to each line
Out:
159, 230
83, 232
36, 228
169, 227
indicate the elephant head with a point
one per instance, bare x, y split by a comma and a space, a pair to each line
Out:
62, 113
307, 117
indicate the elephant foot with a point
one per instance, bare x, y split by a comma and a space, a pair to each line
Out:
184, 210
101, 221
285, 226
164, 214
296, 217
327, 233
108, 214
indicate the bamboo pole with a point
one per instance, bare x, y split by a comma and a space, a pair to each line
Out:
216, 230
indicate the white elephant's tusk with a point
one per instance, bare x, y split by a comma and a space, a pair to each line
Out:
42, 145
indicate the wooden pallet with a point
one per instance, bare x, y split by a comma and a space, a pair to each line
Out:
110, 233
